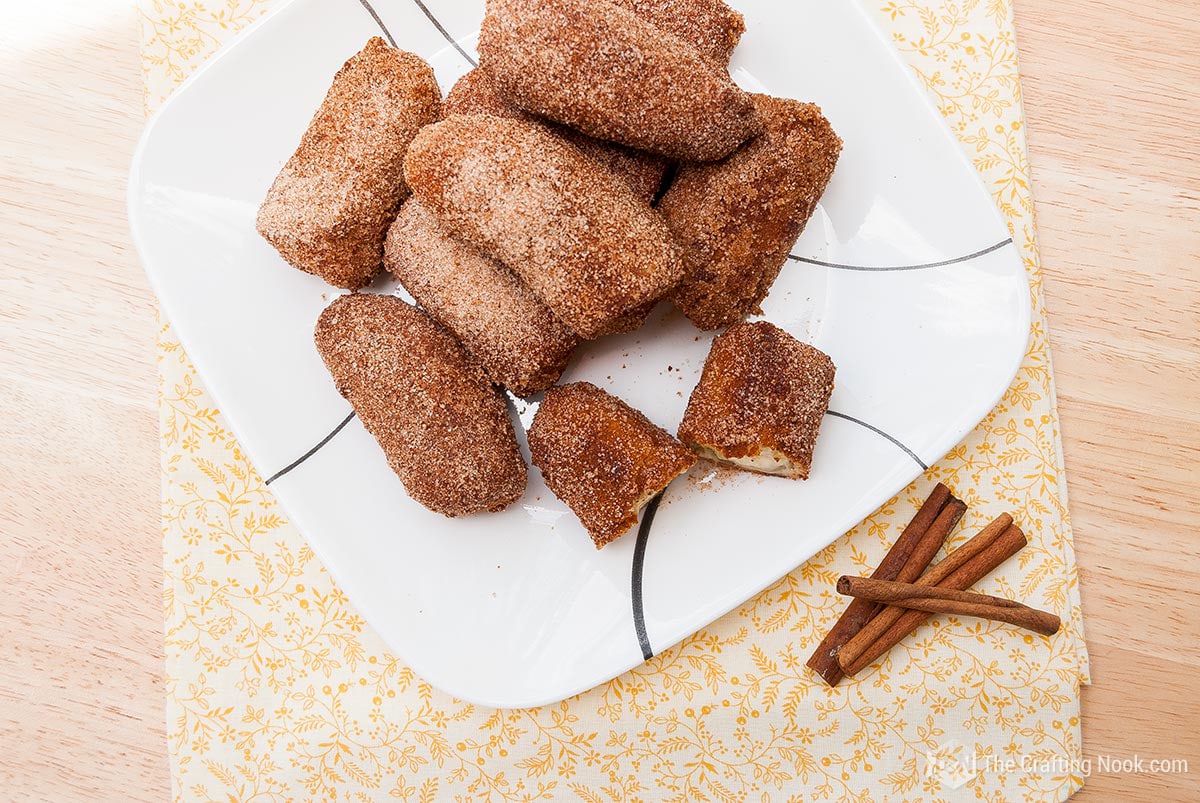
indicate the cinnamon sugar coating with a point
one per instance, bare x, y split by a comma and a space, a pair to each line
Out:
477, 93
601, 69
710, 26
442, 425
629, 322
736, 220
760, 400
576, 234
602, 457
330, 206
521, 344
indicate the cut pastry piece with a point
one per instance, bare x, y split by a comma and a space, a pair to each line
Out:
576, 234
607, 72
329, 208
736, 220
710, 26
760, 401
519, 341
477, 93
602, 457
441, 423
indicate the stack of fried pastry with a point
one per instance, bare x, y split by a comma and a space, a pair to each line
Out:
598, 161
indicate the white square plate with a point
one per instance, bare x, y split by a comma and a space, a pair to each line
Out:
906, 275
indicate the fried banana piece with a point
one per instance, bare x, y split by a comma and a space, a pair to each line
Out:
573, 232
519, 341
760, 401
601, 457
710, 26
605, 71
477, 93
736, 220
329, 208
442, 425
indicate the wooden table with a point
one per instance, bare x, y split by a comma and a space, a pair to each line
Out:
1111, 93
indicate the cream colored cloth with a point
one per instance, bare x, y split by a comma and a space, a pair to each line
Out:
276, 690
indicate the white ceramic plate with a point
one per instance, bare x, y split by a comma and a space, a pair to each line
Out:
906, 276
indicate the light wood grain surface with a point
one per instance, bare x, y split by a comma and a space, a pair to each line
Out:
1112, 94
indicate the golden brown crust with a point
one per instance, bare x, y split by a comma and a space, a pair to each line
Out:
736, 220
477, 93
710, 26
442, 425
761, 390
601, 69
330, 206
602, 457
519, 341
575, 234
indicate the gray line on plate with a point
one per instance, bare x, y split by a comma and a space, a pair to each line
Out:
868, 268
643, 535
379, 22
881, 433
639, 556
310, 452
445, 33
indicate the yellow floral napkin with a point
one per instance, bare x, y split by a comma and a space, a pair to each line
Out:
276, 690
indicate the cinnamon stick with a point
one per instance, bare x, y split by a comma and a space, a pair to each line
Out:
888, 616
959, 570
913, 544
936, 599
928, 547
